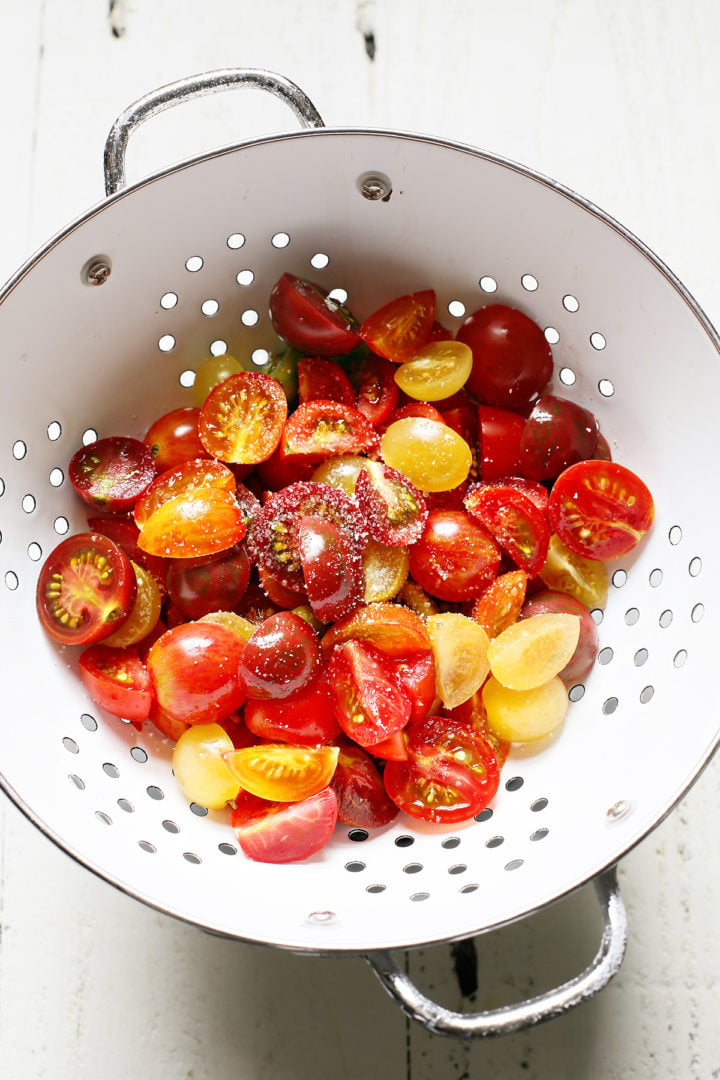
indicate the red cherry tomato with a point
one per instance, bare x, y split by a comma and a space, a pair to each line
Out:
332, 569
173, 438
398, 329
512, 361
194, 672
557, 433
513, 519
416, 674
213, 583
322, 429
377, 391
548, 602
125, 534
363, 802
242, 418
86, 589
117, 680
283, 832
367, 698
110, 474
322, 379
283, 469
500, 437
455, 558
309, 319
281, 657
306, 718
395, 510
600, 509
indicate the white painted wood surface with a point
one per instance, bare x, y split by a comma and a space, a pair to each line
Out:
619, 101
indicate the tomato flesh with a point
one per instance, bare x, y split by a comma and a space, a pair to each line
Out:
308, 318
283, 773
368, 701
117, 680
283, 832
398, 329
514, 520
243, 417
395, 510
320, 429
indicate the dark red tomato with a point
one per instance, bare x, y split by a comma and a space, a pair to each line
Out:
86, 589
305, 316
125, 534
500, 436
368, 700
283, 832
255, 605
242, 419
416, 674
557, 433
377, 391
194, 672
283, 469
323, 429
395, 630
111, 474
600, 509
398, 329
602, 450
118, 681
363, 802
463, 418
277, 538
456, 557
512, 361
281, 657
173, 438
238, 730
250, 510
513, 519
325, 380
549, 602
451, 773
213, 583
306, 718
332, 569
394, 509
440, 333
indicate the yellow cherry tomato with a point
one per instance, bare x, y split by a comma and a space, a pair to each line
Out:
385, 569
340, 472
438, 370
525, 715
200, 768
585, 579
282, 772
534, 650
213, 371
460, 647
144, 614
429, 453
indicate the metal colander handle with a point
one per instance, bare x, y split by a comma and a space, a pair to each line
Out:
211, 82
510, 1018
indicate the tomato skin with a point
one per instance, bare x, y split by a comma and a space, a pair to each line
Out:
242, 419
500, 437
600, 509
117, 681
548, 602
321, 429
281, 658
306, 718
183, 479
395, 510
322, 379
111, 474
281, 772
173, 438
194, 672
332, 569
368, 700
416, 674
513, 519
85, 590
501, 603
557, 434
282, 469
456, 557
396, 631
283, 832
377, 391
362, 800
213, 583
400, 327
305, 316
190, 526
512, 361
125, 534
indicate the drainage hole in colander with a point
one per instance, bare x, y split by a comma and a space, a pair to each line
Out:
514, 783
199, 811
451, 842
103, 817
469, 888
235, 240
192, 858
619, 578
2, 486
259, 356
28, 503
194, 263
70, 745
605, 655
11, 580
126, 805
552, 336
484, 815
679, 658
697, 613
245, 278
34, 551
655, 577
147, 846
155, 792
539, 804
456, 308
412, 868
249, 317
166, 343
609, 706
666, 617
168, 300
597, 615
227, 849
570, 302
597, 340
575, 693
218, 347
495, 841
488, 284
89, 435
88, 722
280, 240
374, 889
54, 430
631, 616
640, 657
210, 307
56, 478
320, 261
675, 535
358, 835
529, 282
695, 566
606, 388
19, 450
404, 841
539, 834
111, 770
138, 754
646, 694
187, 379
417, 897
458, 868
355, 867
170, 826
514, 864
77, 781
567, 376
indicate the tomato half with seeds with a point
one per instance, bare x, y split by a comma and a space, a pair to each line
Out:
202, 522
456, 558
322, 379
280, 658
363, 802
125, 534
368, 701
377, 391
332, 569
173, 438
398, 329
213, 583
499, 606
321, 429
395, 510
600, 509
117, 680
513, 519
194, 672
283, 832
185, 478
450, 776
86, 589
416, 674
308, 318
512, 361
306, 718
557, 433
395, 630
281, 772
242, 418
110, 474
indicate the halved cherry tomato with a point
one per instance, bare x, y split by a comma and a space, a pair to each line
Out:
428, 452
306, 316
110, 474
501, 603
282, 469
144, 614
184, 479
435, 371
600, 509
395, 510
280, 658
392, 748
321, 429
398, 329
202, 522
377, 391
422, 409
306, 718
417, 675
212, 583
278, 593
242, 418
451, 773
283, 773
512, 361
283, 832
500, 437
363, 802
385, 571
86, 589
332, 569
173, 438
125, 534
460, 650
514, 520
117, 680
396, 631
367, 698
323, 379
557, 433
456, 558
194, 672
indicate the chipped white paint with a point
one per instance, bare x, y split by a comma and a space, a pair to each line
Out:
618, 101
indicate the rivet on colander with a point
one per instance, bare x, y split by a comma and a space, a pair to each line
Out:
322, 918
618, 811
96, 271
374, 186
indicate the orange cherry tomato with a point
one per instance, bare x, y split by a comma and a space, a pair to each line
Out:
203, 522
282, 772
243, 417
394, 630
398, 329
183, 479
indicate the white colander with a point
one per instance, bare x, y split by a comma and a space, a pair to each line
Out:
101, 332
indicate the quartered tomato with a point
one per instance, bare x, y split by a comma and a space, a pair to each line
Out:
557, 433
565, 571
450, 776
200, 768
306, 718
385, 570
202, 522
283, 773
184, 479
362, 800
86, 589
512, 361
213, 583
600, 509
549, 602
393, 507
194, 672
281, 658
398, 329
332, 568
499, 437
396, 631
242, 418
533, 651
513, 519
456, 558
321, 429
377, 391
460, 650
322, 379
173, 438
368, 700
309, 319
499, 606
117, 680
283, 832
110, 474
416, 674
144, 614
